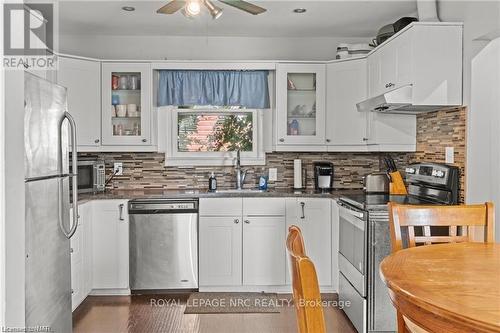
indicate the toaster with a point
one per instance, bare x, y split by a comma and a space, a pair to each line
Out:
376, 183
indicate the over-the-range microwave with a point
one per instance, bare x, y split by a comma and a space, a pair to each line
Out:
91, 176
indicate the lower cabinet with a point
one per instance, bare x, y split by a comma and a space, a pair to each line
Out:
110, 247
246, 248
220, 250
264, 251
313, 217
81, 256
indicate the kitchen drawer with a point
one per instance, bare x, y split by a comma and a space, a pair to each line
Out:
357, 309
264, 207
220, 206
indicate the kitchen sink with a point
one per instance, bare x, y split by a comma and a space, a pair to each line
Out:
249, 190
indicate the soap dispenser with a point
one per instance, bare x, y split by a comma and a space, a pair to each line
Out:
212, 183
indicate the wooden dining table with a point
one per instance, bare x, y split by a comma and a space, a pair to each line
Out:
446, 287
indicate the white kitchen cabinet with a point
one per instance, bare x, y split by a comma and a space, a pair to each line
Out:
264, 235
300, 107
126, 104
81, 252
246, 248
426, 55
220, 250
264, 256
346, 86
110, 246
350, 130
313, 217
82, 78
390, 66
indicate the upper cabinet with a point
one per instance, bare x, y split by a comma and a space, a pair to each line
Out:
427, 56
126, 104
300, 106
346, 86
82, 80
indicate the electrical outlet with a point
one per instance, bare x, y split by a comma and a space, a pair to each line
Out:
449, 155
273, 174
118, 168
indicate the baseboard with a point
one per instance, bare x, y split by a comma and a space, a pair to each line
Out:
266, 289
110, 292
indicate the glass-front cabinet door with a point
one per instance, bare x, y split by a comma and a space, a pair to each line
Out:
300, 104
126, 100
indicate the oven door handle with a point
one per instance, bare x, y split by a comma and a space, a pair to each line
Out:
352, 211
347, 216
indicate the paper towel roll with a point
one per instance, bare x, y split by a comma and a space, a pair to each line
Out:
297, 174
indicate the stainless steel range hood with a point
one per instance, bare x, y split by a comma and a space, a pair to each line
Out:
398, 101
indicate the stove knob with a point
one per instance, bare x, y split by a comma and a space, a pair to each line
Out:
434, 173
440, 173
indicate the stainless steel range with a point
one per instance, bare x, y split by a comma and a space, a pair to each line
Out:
365, 242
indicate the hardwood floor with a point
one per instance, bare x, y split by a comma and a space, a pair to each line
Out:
138, 314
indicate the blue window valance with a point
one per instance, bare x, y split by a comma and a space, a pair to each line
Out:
248, 89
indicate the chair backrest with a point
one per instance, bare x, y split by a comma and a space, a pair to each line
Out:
306, 294
457, 218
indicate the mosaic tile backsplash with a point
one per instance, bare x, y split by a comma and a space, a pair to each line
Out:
434, 132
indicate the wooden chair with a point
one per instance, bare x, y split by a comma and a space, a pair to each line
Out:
306, 294
458, 219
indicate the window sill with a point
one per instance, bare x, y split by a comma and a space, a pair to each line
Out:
207, 161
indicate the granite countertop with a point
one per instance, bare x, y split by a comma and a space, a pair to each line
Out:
159, 194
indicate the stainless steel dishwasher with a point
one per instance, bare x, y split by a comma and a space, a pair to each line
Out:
163, 244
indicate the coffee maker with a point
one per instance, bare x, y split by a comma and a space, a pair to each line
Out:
323, 176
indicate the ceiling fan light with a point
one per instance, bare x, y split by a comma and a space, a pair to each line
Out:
215, 11
192, 8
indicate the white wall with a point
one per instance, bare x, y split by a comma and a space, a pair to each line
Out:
479, 18
2, 186
202, 48
14, 198
484, 124
481, 90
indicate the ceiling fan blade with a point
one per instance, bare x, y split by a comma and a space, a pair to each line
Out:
171, 7
245, 6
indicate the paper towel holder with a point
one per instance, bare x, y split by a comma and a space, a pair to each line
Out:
303, 180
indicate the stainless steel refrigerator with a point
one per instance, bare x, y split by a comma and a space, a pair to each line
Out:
48, 128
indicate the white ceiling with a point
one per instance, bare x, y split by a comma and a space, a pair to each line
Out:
348, 18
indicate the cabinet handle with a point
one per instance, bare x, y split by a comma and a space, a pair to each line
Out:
236, 221
328, 140
247, 221
282, 140
302, 204
71, 250
390, 84
365, 139
96, 140
120, 206
72, 291
144, 140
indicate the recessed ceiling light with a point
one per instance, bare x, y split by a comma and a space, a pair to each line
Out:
299, 10
128, 8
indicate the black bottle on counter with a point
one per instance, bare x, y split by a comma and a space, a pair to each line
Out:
212, 183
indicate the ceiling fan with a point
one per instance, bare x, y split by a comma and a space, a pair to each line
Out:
191, 8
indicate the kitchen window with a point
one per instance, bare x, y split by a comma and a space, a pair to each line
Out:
211, 136
210, 114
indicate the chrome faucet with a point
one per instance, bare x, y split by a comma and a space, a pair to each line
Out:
240, 174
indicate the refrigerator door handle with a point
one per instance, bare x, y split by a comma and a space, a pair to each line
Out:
73, 176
